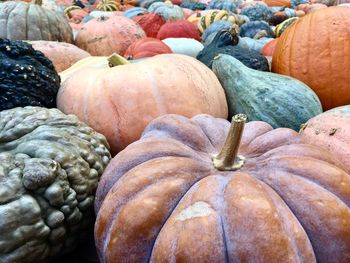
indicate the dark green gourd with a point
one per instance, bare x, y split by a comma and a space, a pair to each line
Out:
225, 42
279, 100
27, 77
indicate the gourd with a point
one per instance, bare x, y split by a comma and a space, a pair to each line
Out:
146, 47
179, 28
227, 5
50, 164
225, 43
280, 28
120, 101
167, 10
276, 99
44, 24
108, 5
185, 46
175, 196
27, 77
136, 11
315, 49
257, 12
150, 23
256, 30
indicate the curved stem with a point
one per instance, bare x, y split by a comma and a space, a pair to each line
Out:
116, 60
227, 159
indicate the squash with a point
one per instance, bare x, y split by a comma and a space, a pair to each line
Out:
185, 46
27, 77
257, 12
210, 32
225, 43
108, 5
146, 47
227, 5
147, 3
193, 5
150, 23
280, 28
311, 51
44, 24
120, 101
136, 11
167, 10
50, 164
174, 196
179, 28
331, 131
256, 30
75, 14
276, 99
62, 55
216, 15
105, 35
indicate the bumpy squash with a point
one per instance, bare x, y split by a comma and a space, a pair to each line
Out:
257, 12
276, 99
50, 164
173, 196
167, 10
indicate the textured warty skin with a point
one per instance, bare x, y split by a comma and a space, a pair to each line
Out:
50, 164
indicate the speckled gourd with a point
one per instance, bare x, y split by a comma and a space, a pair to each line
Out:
50, 164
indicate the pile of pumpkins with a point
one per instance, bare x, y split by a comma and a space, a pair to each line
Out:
125, 120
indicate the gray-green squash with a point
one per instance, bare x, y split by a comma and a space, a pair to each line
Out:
279, 100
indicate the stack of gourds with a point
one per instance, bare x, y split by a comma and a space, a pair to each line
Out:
115, 118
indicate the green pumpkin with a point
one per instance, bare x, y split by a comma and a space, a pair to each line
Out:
279, 100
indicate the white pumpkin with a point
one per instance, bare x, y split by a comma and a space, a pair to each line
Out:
185, 46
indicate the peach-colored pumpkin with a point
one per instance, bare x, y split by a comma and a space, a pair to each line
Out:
119, 102
106, 35
62, 55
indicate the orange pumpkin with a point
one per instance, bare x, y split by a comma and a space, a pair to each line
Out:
179, 29
330, 130
146, 47
316, 50
62, 55
105, 35
173, 196
285, 3
269, 47
120, 101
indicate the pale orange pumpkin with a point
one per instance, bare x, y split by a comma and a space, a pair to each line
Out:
278, 3
120, 101
316, 50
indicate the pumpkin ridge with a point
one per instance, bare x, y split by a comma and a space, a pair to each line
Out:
6, 17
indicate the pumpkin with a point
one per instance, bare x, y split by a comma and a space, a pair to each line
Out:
167, 10
269, 47
225, 43
108, 5
146, 47
213, 16
174, 196
310, 51
105, 35
50, 164
105, 97
276, 99
62, 55
179, 28
280, 28
150, 23
256, 30
136, 11
44, 24
27, 77
330, 130
227, 5
278, 3
185, 46
257, 12
309, 8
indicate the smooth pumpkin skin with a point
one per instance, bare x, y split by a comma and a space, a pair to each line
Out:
146, 47
268, 48
119, 102
106, 35
278, 3
330, 130
62, 55
316, 49
161, 199
279, 100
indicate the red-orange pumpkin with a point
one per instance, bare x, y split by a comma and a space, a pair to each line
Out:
316, 50
269, 47
172, 197
146, 47
151, 23
179, 29
278, 3
106, 35
119, 102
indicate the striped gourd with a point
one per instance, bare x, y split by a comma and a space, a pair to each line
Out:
108, 5
280, 28
217, 15
70, 8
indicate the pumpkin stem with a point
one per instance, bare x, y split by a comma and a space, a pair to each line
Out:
116, 60
37, 2
227, 159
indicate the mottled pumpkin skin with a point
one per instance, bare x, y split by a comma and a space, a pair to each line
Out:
106, 35
161, 199
150, 23
42, 24
62, 55
50, 164
276, 99
119, 102
316, 49
330, 130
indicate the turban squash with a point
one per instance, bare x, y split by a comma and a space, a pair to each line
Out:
120, 101
173, 196
316, 49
